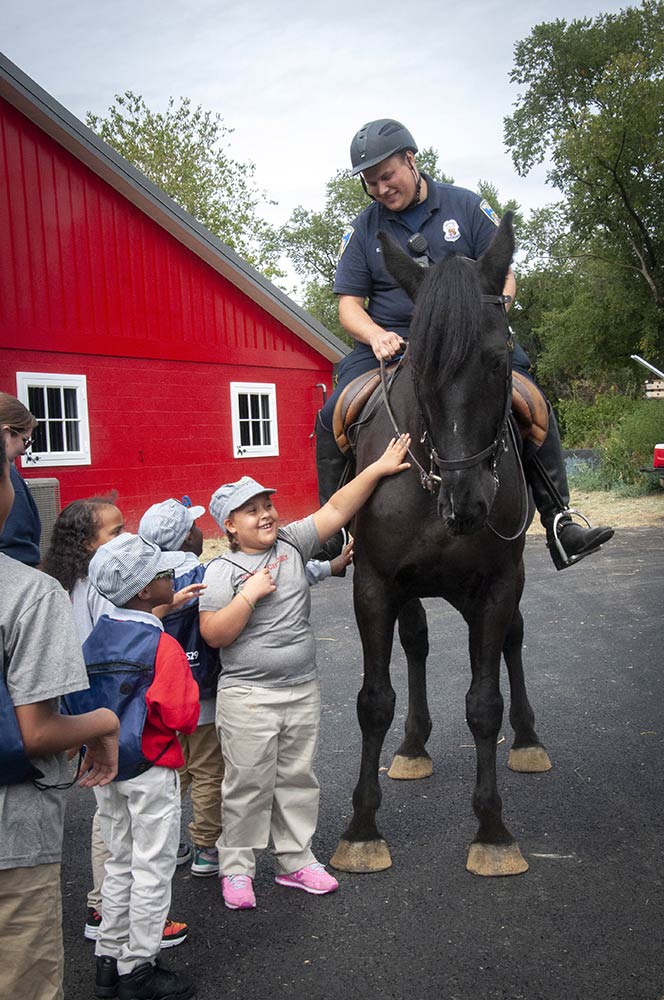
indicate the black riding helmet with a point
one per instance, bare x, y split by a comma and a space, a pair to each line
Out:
378, 140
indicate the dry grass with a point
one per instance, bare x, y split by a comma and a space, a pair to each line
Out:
618, 511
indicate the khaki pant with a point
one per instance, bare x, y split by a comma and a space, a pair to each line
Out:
203, 771
270, 791
32, 965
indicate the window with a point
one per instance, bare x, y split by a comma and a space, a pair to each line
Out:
254, 412
60, 404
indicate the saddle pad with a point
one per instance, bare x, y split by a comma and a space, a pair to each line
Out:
528, 406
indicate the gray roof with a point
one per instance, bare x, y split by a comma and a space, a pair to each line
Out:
54, 119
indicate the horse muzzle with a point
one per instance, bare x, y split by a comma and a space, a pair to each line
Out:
464, 503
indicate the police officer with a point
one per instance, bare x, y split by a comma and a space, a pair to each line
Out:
430, 220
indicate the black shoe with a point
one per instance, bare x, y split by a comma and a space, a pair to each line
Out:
106, 976
153, 982
577, 542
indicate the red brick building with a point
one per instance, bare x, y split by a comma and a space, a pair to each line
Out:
158, 362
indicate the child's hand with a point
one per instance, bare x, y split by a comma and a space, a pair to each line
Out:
100, 764
340, 562
392, 459
259, 585
181, 597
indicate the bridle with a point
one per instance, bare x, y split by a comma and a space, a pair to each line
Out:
430, 480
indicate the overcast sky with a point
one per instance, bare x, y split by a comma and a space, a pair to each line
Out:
296, 78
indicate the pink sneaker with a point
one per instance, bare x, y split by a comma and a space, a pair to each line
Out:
238, 892
313, 878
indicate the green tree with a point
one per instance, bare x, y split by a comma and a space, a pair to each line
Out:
592, 100
185, 152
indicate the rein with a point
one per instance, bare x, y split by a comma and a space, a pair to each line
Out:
430, 480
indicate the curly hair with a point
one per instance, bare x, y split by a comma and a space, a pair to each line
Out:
75, 528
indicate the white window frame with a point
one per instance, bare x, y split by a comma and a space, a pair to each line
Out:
268, 389
51, 380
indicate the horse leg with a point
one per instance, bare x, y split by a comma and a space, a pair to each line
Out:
494, 850
411, 759
362, 848
528, 754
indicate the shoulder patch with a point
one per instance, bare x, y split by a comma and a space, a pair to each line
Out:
489, 212
345, 240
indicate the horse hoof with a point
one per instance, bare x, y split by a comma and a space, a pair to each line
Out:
495, 859
410, 768
529, 760
361, 856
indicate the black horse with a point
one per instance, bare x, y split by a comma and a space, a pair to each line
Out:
454, 528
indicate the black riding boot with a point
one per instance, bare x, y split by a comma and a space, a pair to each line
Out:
331, 466
567, 541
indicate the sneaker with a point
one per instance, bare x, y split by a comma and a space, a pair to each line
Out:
92, 922
174, 931
206, 861
174, 934
154, 982
312, 878
106, 976
184, 853
238, 892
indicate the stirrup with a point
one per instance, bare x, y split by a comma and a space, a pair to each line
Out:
565, 516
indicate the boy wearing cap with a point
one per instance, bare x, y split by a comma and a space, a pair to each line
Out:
140, 814
256, 608
172, 526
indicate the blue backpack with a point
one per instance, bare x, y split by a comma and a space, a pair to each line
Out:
183, 625
120, 660
15, 766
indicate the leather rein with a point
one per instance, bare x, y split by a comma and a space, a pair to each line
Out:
430, 480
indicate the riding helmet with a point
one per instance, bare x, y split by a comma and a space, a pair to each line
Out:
378, 140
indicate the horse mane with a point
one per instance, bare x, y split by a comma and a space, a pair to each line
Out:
446, 320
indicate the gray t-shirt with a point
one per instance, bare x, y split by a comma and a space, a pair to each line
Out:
42, 659
277, 646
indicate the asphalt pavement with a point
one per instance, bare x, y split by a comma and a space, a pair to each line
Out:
587, 919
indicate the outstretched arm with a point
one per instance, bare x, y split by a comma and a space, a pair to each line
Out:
341, 507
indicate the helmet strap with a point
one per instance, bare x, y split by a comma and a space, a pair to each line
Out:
418, 185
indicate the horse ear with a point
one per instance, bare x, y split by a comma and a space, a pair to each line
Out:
495, 261
405, 271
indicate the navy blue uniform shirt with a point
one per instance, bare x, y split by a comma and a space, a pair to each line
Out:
452, 220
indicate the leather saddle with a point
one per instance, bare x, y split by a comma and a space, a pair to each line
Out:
360, 397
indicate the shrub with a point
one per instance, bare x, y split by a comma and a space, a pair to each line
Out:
629, 447
587, 424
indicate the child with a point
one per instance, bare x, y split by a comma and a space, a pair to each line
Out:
42, 659
256, 608
140, 812
79, 530
172, 526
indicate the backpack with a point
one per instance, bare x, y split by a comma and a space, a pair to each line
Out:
183, 625
15, 766
120, 660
